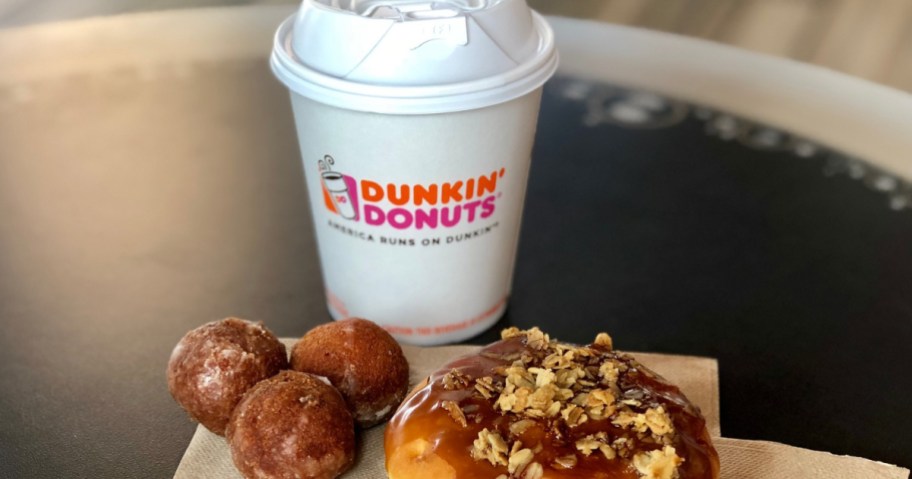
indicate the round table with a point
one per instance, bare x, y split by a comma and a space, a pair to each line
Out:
687, 197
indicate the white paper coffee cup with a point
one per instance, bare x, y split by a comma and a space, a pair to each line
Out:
416, 138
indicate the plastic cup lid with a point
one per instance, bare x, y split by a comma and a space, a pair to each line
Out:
412, 56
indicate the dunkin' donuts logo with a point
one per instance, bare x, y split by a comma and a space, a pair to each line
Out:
409, 206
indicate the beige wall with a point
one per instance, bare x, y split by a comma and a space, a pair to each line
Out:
867, 38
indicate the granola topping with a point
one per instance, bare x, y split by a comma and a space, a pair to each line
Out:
455, 412
657, 464
491, 447
575, 395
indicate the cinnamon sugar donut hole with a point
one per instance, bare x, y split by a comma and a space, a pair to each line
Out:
362, 361
213, 365
292, 426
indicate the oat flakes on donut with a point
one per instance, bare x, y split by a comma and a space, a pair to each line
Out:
527, 407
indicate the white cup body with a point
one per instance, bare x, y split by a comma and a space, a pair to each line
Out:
417, 217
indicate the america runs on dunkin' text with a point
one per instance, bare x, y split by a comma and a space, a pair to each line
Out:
454, 238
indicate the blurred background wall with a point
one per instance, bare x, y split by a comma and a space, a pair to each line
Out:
871, 39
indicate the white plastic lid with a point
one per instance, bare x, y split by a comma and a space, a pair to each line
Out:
413, 56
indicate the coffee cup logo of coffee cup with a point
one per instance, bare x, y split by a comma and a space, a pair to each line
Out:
339, 190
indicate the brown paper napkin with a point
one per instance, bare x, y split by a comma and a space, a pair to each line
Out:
769, 460
207, 456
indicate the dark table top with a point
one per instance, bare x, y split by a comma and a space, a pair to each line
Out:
134, 209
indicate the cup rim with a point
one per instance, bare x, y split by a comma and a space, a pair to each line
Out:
413, 100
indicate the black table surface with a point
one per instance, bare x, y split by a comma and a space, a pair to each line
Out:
134, 209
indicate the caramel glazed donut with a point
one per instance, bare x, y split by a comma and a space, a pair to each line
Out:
530, 408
